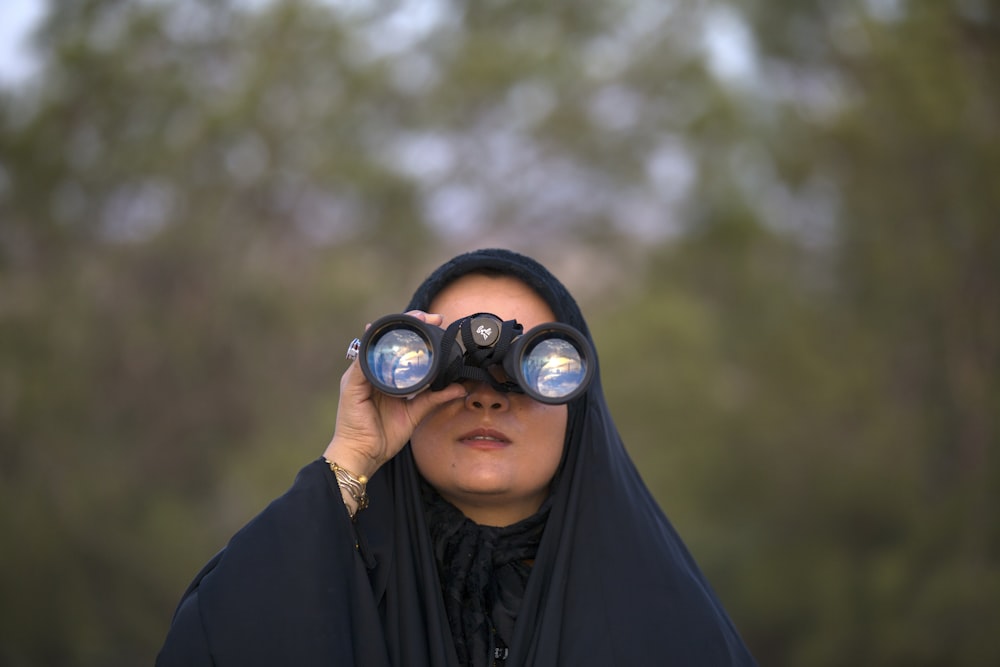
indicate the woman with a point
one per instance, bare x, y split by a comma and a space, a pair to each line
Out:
499, 530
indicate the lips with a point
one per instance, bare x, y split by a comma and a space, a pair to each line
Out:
484, 437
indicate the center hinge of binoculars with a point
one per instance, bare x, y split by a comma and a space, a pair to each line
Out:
486, 340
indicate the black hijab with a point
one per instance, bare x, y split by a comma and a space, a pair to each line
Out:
611, 581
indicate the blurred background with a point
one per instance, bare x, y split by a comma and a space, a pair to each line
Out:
781, 219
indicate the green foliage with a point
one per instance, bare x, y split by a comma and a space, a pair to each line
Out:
791, 277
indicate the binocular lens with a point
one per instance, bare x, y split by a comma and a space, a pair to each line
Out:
553, 368
399, 359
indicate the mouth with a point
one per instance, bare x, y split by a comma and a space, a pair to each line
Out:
484, 438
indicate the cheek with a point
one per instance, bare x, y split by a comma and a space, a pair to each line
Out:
428, 440
423, 445
422, 438
436, 420
546, 424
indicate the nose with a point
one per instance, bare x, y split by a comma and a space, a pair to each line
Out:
482, 396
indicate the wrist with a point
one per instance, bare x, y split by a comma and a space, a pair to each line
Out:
351, 458
353, 487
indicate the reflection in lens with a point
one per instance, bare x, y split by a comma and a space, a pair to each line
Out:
400, 359
554, 368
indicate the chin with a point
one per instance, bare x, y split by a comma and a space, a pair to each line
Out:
484, 486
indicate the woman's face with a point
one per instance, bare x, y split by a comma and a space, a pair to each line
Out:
491, 454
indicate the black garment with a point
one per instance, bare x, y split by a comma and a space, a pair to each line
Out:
484, 571
611, 584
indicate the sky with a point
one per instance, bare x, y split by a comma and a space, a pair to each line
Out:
17, 19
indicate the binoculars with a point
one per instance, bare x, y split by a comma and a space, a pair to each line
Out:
552, 363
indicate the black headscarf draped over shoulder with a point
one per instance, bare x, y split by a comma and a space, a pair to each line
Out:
611, 584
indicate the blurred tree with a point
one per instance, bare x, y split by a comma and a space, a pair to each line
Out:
844, 284
174, 301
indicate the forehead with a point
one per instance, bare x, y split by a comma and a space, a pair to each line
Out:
504, 296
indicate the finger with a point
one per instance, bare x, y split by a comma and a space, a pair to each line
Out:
434, 319
423, 403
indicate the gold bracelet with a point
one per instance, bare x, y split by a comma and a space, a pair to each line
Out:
356, 486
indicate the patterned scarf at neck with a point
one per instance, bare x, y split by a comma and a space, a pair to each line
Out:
483, 572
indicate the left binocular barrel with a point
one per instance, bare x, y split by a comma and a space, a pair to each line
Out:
399, 354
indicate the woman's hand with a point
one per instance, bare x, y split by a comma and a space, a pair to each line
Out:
371, 426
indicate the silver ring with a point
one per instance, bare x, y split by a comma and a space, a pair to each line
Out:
353, 349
